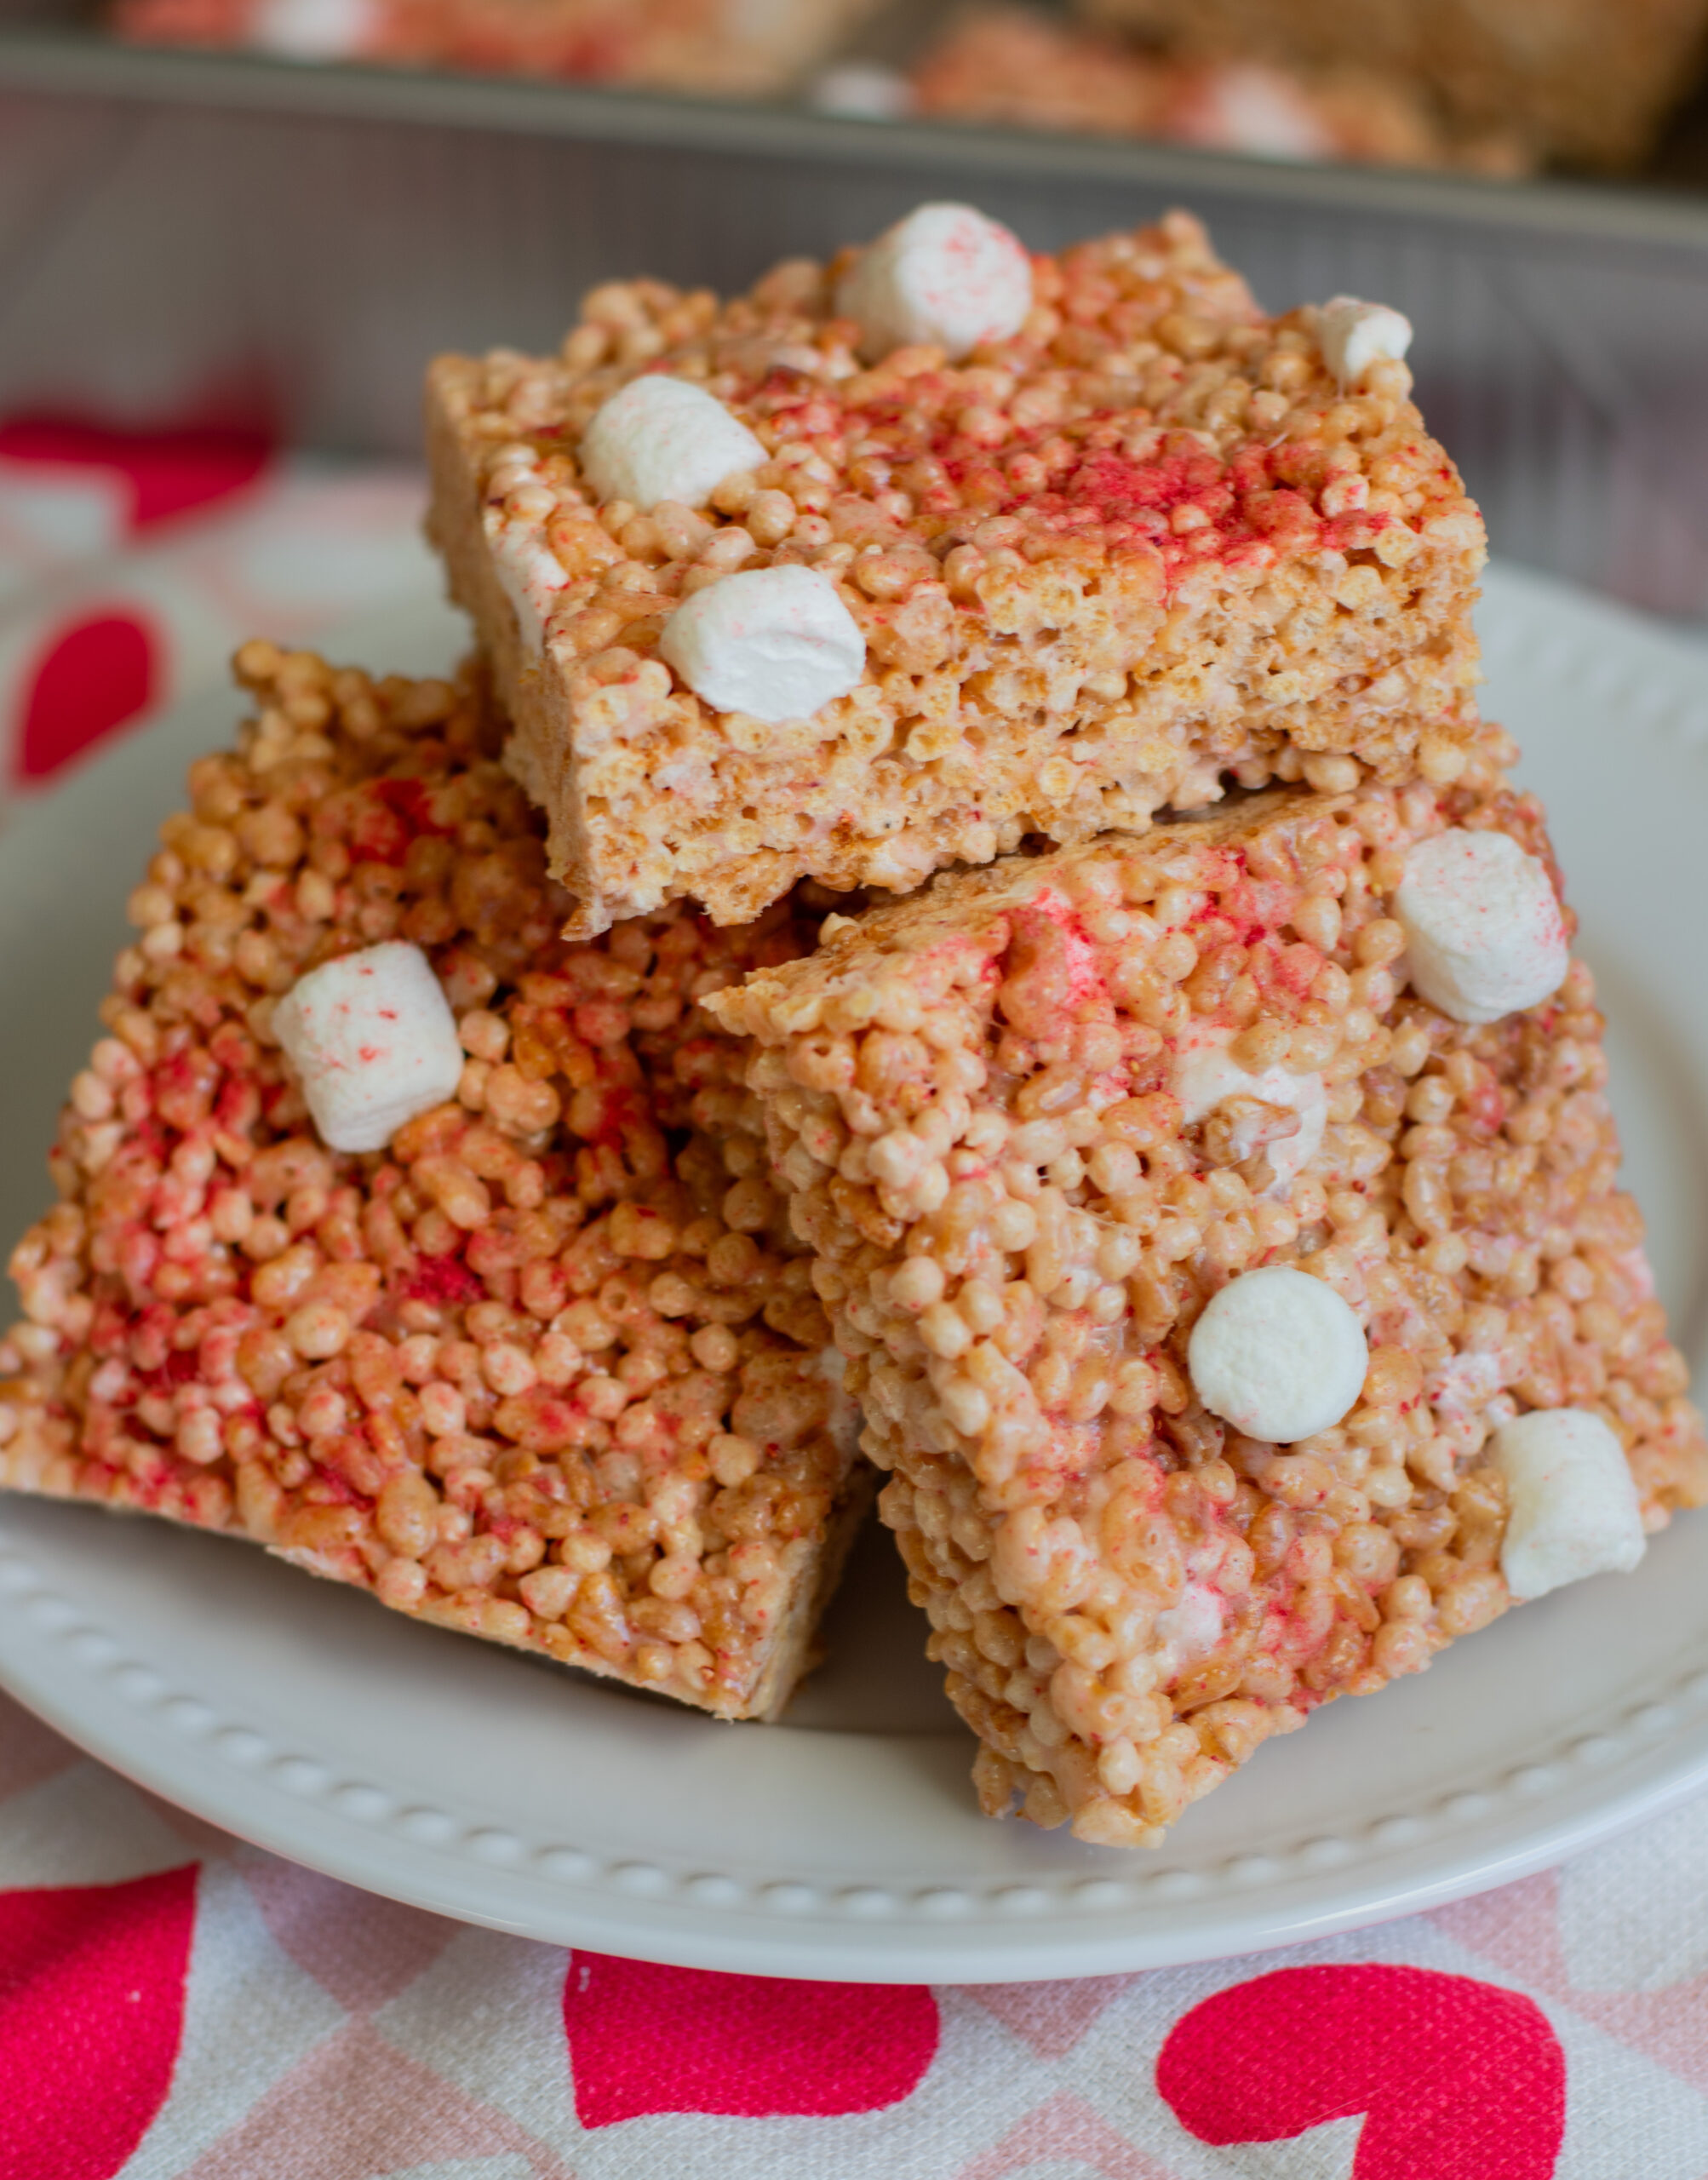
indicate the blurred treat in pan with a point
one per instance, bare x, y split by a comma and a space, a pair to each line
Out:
1582, 82
732, 48
1011, 65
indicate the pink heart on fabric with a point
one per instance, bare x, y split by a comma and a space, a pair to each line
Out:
95, 676
91, 2014
169, 471
645, 2039
1457, 2080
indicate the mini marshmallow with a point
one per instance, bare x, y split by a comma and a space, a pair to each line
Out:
1278, 1354
374, 1042
1246, 107
1353, 333
530, 573
946, 275
1205, 1076
316, 30
1190, 1630
844, 1422
860, 90
662, 438
1484, 935
1572, 1507
776, 642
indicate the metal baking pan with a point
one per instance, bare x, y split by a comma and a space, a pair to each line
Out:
235, 236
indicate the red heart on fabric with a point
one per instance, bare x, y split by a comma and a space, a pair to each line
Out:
94, 676
91, 2013
168, 473
644, 2039
1457, 2080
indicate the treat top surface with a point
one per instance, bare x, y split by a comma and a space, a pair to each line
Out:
1143, 409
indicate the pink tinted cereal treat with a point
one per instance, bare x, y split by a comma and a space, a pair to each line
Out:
1104, 534
1210, 1391
534, 1358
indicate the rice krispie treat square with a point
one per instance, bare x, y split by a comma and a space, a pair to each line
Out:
899, 558
1220, 1228
531, 1353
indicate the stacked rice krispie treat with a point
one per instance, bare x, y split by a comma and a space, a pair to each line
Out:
1200, 1159
431, 1250
1054, 542
1215, 1208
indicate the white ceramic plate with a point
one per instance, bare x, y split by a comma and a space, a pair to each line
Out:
845, 1843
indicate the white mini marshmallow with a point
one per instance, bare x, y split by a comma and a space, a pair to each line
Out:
1278, 1354
530, 573
844, 1422
374, 1042
662, 438
1572, 1507
1189, 1631
1484, 935
1204, 1076
1244, 106
860, 90
1353, 333
945, 274
316, 30
776, 642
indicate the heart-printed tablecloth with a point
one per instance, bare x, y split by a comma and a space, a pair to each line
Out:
175, 2005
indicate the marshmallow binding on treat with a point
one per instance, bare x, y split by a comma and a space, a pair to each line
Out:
662, 438
1484, 935
531, 574
374, 1042
945, 275
1572, 1507
776, 642
1278, 1354
1205, 1076
1354, 335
